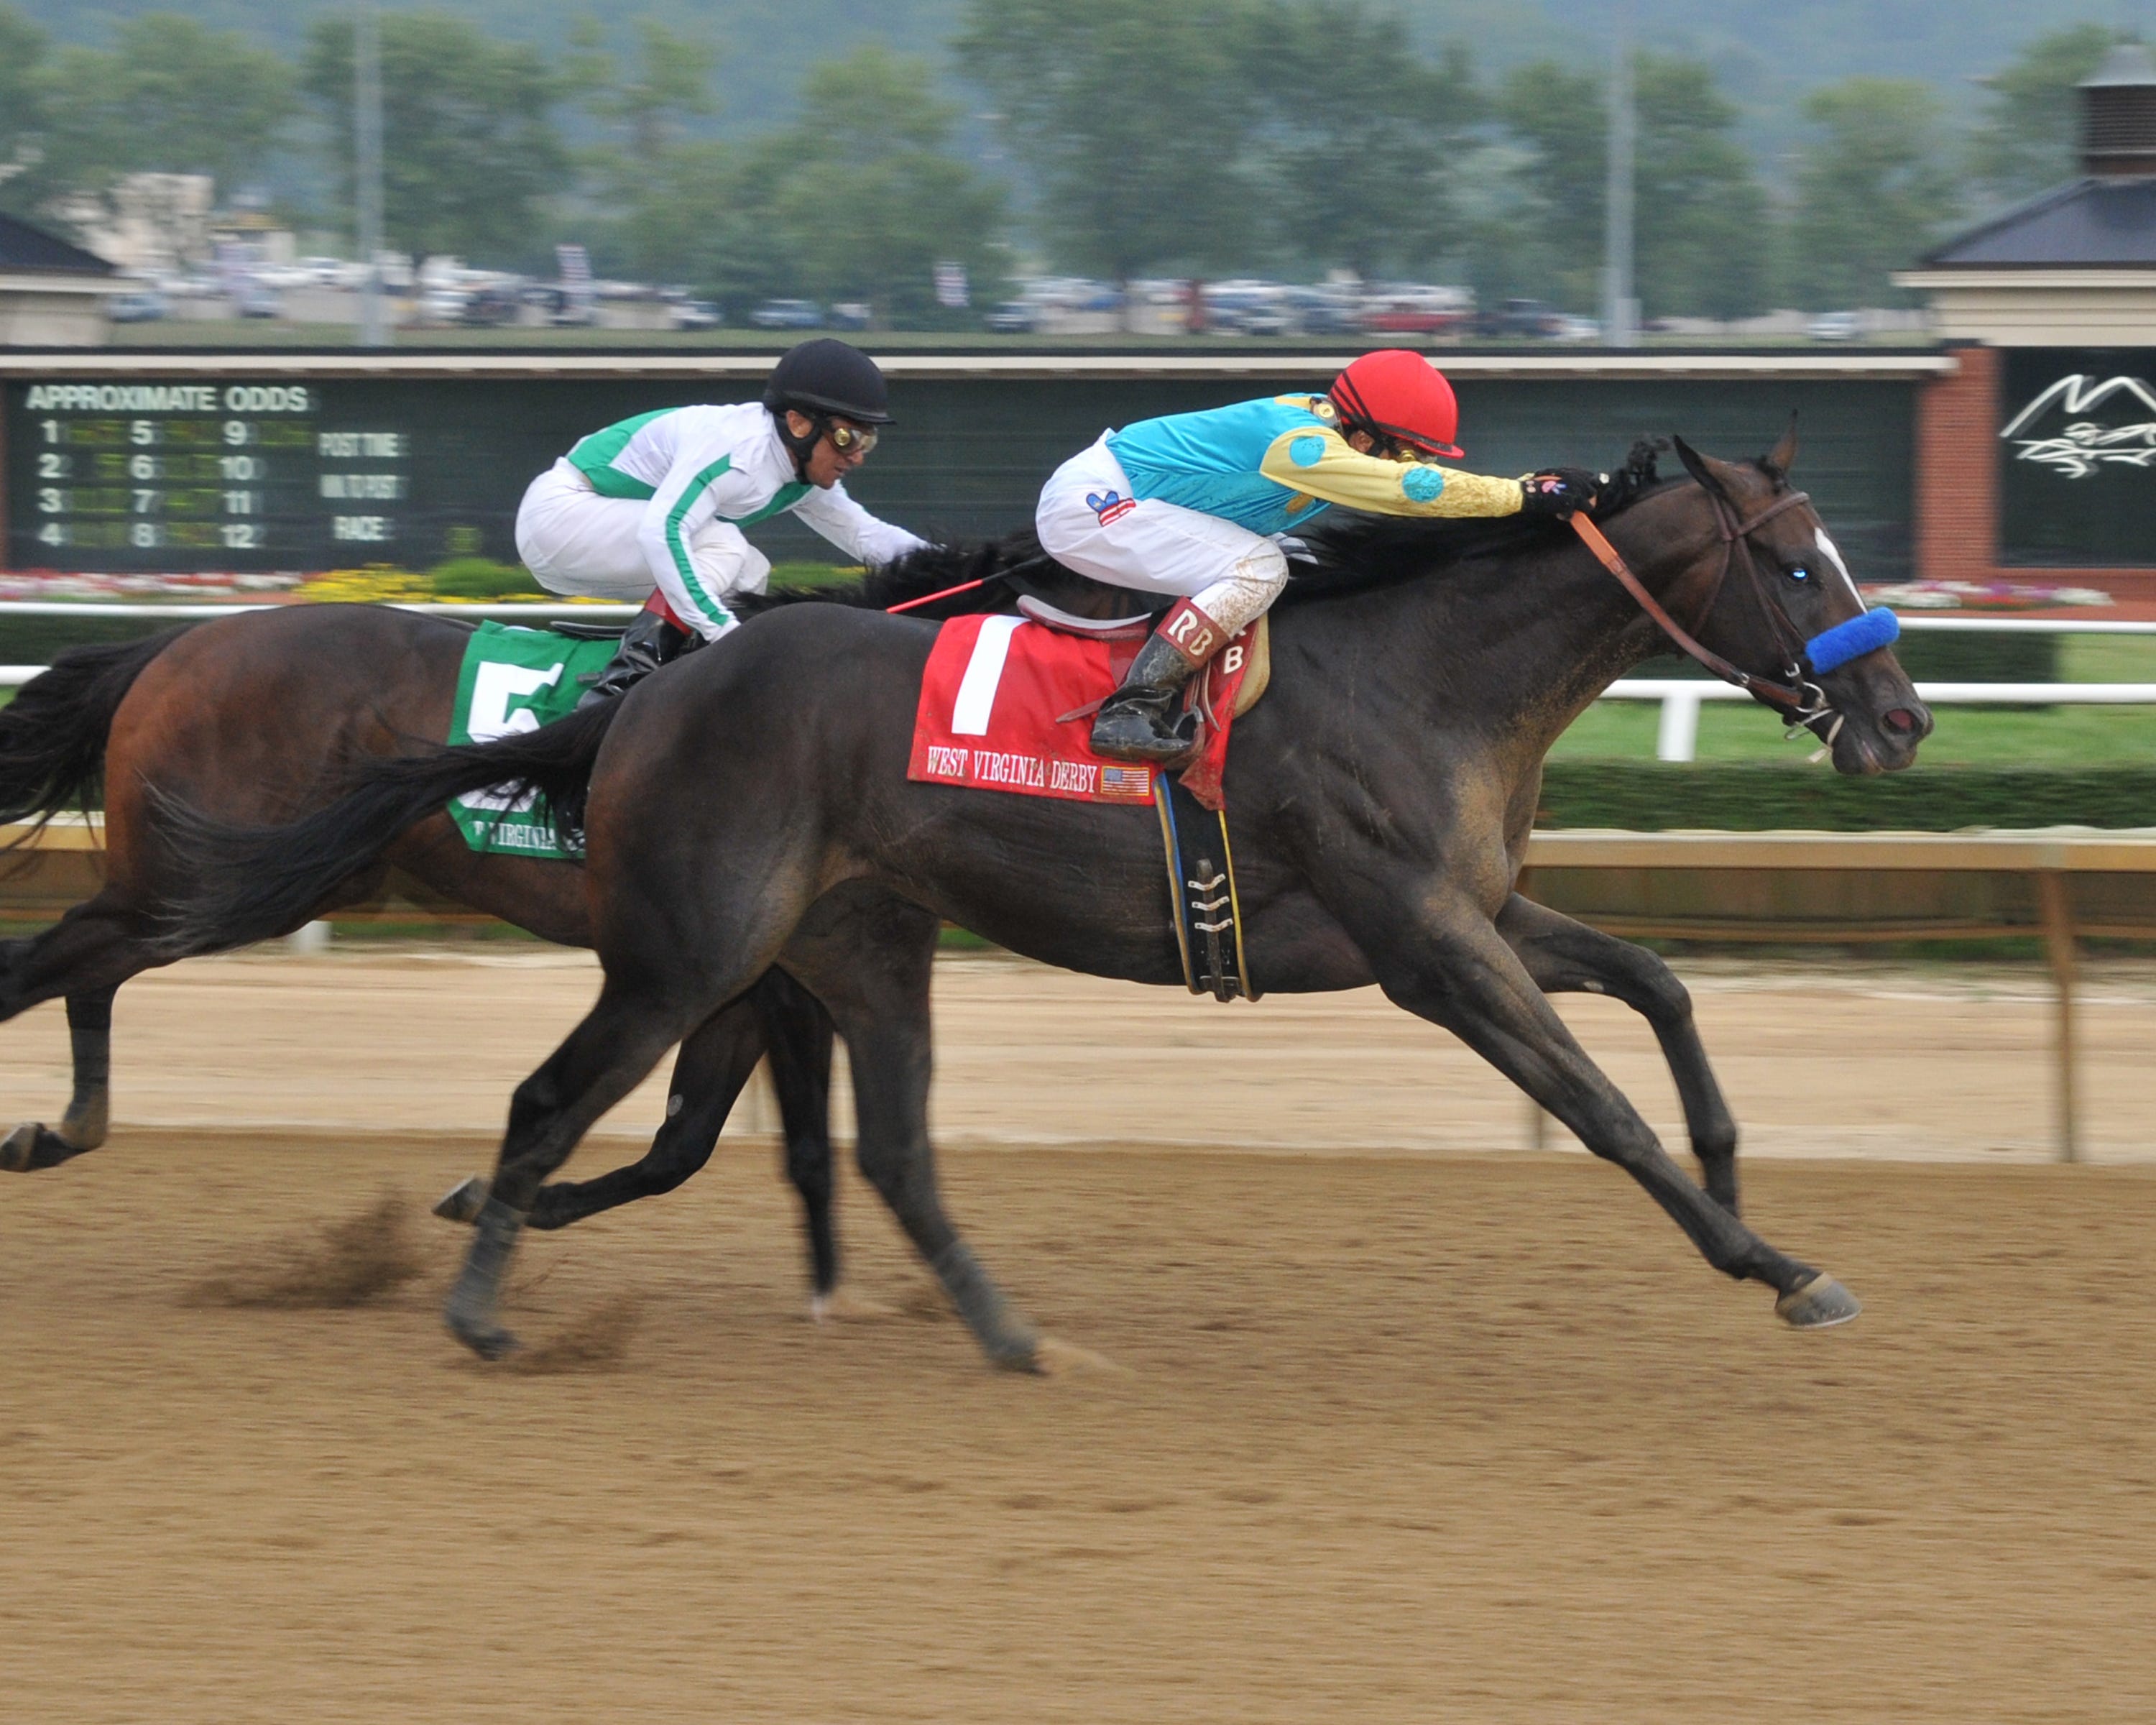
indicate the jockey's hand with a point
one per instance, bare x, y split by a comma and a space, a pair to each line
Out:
1557, 491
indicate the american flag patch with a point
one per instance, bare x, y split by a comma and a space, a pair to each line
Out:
1127, 781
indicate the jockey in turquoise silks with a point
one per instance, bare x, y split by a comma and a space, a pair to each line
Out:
1195, 504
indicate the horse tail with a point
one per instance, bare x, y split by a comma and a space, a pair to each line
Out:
251, 883
52, 734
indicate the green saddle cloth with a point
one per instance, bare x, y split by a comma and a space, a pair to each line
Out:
516, 680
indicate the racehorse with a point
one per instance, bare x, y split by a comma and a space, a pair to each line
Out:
257, 717
1381, 795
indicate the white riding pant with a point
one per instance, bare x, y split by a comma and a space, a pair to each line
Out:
573, 541
1229, 572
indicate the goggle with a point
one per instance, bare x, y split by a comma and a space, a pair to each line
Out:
852, 439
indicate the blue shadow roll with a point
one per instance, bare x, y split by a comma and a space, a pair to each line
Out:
1836, 647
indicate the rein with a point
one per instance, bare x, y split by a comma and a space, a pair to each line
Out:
1802, 701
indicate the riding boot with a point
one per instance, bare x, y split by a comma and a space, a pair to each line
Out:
1138, 722
646, 643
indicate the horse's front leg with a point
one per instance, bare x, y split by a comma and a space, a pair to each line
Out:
1568, 957
1436, 954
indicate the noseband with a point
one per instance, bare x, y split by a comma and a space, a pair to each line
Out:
1802, 702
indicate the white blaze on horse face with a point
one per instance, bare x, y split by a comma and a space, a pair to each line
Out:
1832, 553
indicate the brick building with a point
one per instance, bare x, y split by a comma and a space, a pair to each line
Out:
2036, 459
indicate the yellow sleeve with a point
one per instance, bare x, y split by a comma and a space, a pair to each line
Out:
1322, 464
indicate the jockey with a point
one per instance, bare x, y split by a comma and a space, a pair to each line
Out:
1195, 504
660, 500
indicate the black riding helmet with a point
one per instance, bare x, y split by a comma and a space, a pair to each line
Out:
825, 379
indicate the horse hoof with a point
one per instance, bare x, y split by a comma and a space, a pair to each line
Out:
1819, 1304
18, 1149
488, 1341
1020, 1352
464, 1201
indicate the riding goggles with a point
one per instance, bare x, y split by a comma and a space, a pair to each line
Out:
851, 440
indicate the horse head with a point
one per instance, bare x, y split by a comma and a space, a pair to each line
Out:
1783, 606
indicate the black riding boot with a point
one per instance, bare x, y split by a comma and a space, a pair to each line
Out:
646, 643
1138, 721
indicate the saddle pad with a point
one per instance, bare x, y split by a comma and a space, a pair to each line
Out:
1007, 704
516, 680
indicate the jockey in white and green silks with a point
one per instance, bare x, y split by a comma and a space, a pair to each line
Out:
660, 502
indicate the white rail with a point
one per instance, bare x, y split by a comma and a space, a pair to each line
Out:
1676, 738
183, 609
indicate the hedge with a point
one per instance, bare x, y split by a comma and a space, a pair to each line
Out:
1755, 796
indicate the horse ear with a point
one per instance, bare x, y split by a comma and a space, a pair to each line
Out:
1695, 464
1778, 460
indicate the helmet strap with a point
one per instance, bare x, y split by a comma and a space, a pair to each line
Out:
799, 448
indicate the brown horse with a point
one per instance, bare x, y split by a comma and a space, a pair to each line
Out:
259, 717
1383, 791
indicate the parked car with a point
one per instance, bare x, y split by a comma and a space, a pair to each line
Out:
851, 314
1516, 320
788, 314
1834, 326
145, 307
250, 299
490, 307
696, 315
444, 305
1013, 317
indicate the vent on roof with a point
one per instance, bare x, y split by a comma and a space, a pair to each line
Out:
2118, 115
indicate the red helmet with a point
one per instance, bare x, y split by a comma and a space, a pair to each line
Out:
1397, 393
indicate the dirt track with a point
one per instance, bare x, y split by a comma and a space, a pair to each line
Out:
1393, 1437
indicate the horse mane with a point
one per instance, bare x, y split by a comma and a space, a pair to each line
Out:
1352, 555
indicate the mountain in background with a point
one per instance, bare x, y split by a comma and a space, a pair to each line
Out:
1766, 53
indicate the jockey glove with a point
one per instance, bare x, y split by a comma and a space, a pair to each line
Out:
1557, 491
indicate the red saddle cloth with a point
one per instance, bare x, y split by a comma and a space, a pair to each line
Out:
1007, 704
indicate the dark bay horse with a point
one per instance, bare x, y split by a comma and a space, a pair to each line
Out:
258, 717
1381, 796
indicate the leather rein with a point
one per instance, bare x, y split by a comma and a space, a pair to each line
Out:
1802, 701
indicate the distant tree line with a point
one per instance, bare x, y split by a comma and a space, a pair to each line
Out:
1286, 138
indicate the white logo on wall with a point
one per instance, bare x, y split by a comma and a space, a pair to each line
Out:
2083, 447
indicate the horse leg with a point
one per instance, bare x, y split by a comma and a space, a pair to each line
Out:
86, 956
709, 1074
601, 1060
1449, 964
870, 964
796, 1032
1568, 957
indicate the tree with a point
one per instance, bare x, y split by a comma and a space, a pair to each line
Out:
872, 226
1703, 232
470, 146
170, 96
1873, 190
1699, 211
25, 169
653, 187
1135, 120
1359, 135
2026, 141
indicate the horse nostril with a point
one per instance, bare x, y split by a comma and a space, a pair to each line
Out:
1899, 718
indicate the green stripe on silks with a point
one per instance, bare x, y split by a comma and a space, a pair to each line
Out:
515, 680
680, 552
1201, 884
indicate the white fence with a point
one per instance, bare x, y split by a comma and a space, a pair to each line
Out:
1677, 737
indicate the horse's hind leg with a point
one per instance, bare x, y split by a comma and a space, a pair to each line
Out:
86, 956
603, 1059
1569, 957
797, 1031
870, 965
709, 1074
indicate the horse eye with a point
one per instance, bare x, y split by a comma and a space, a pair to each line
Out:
1799, 572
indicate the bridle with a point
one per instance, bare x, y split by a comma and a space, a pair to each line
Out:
1803, 703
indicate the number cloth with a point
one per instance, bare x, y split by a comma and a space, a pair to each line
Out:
515, 680
661, 499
